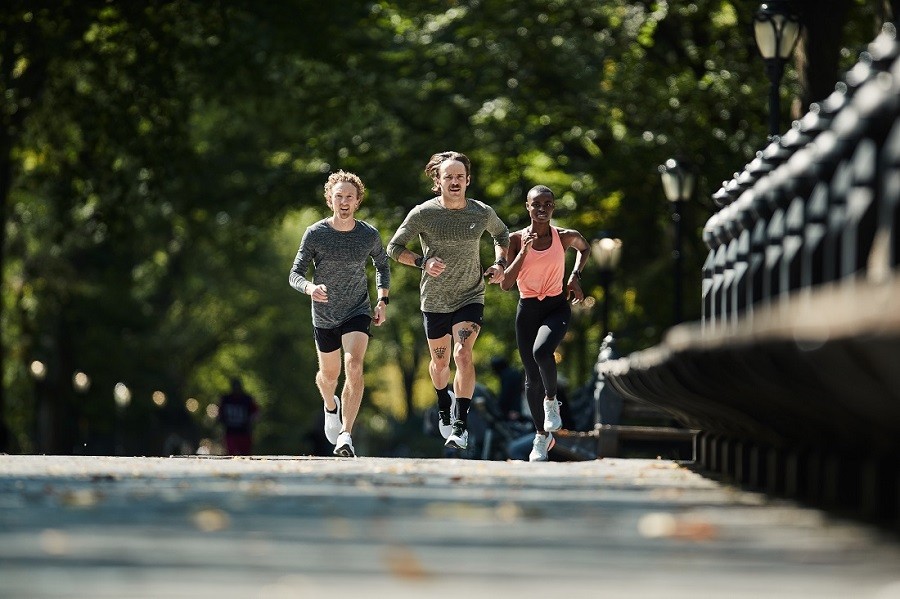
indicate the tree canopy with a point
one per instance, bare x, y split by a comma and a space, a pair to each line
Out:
159, 162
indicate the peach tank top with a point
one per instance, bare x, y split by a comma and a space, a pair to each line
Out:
542, 271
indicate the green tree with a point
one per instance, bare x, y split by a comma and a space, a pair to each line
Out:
158, 163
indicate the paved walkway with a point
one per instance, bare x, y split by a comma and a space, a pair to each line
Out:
374, 527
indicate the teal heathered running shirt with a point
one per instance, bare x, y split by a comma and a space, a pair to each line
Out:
339, 261
455, 237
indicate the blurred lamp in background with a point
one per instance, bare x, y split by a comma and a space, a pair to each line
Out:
607, 253
776, 28
122, 395
678, 185
38, 370
81, 382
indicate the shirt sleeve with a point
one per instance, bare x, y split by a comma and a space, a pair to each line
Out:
300, 269
408, 229
382, 264
498, 230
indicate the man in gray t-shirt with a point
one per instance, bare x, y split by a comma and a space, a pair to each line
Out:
339, 248
449, 228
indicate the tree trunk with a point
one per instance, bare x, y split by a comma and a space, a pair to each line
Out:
5, 184
818, 51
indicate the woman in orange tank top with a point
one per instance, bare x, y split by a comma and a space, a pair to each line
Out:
542, 317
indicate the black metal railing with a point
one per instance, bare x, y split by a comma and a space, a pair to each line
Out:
793, 371
808, 210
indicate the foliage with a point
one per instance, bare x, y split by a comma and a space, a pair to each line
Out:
160, 161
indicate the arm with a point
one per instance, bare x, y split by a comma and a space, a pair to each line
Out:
382, 281
517, 250
500, 233
380, 312
573, 239
298, 279
396, 248
382, 264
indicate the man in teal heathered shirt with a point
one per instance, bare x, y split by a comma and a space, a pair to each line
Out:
339, 248
449, 228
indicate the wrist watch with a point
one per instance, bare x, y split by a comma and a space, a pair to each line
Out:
384, 299
420, 262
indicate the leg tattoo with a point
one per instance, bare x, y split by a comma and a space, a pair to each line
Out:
466, 333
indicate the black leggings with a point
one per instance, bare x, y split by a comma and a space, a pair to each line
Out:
540, 328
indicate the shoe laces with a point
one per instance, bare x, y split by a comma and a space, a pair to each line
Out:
445, 418
458, 428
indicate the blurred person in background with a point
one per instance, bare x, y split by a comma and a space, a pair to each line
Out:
509, 397
238, 412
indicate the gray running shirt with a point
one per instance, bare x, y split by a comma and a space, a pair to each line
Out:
339, 262
453, 236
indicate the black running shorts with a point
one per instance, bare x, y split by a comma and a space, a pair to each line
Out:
329, 340
440, 324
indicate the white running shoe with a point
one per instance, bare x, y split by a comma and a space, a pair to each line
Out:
541, 447
344, 446
552, 419
333, 422
445, 420
459, 438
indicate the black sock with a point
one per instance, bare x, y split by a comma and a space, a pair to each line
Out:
462, 406
444, 401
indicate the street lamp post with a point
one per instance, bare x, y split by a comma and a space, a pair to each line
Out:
776, 28
607, 252
81, 384
678, 185
122, 397
43, 428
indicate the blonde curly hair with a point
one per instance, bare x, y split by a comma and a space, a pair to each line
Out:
344, 177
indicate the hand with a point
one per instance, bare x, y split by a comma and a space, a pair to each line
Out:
527, 242
319, 293
380, 314
434, 266
574, 289
496, 274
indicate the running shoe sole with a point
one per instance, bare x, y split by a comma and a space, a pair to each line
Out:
453, 444
344, 451
550, 446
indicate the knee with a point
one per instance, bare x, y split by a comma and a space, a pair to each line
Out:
462, 357
354, 367
329, 374
440, 362
544, 355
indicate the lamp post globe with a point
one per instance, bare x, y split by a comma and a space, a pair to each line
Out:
776, 28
